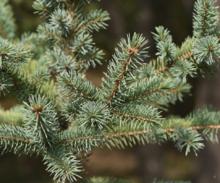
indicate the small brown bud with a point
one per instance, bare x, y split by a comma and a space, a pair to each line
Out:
133, 51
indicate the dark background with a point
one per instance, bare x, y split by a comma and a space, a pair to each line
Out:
140, 164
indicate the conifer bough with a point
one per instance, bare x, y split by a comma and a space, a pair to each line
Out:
62, 116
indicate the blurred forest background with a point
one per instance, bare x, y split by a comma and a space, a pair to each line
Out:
140, 164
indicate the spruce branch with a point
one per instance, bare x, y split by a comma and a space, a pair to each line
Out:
131, 135
67, 116
94, 21
63, 166
41, 121
166, 47
94, 116
206, 18
141, 113
15, 62
207, 50
128, 56
75, 84
15, 139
